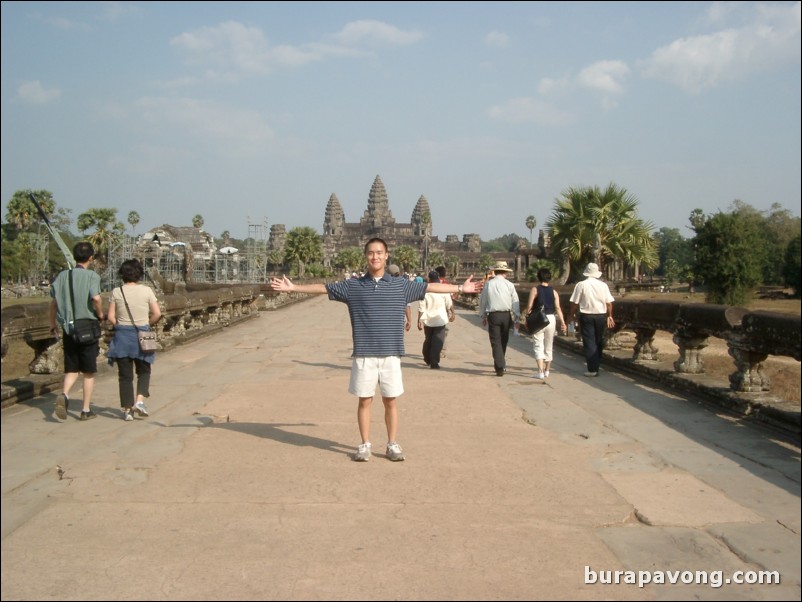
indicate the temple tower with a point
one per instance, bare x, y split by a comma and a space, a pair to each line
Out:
334, 223
377, 218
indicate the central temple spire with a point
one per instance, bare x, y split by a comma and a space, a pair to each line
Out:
378, 216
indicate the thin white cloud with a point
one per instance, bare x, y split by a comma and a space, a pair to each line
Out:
111, 11
67, 24
604, 76
205, 120
34, 92
498, 39
771, 38
376, 33
530, 110
232, 47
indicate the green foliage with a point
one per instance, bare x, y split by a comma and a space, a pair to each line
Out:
107, 230
133, 220
532, 270
793, 265
507, 242
197, 221
303, 246
728, 257
350, 260
405, 257
435, 259
531, 224
673, 247
486, 261
590, 224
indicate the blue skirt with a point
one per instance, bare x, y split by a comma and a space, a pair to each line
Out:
126, 344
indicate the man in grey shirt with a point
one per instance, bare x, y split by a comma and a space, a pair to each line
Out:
499, 309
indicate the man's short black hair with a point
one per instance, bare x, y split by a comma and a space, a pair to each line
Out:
441, 271
544, 275
375, 239
83, 252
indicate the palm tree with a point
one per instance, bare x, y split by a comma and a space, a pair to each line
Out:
133, 220
107, 229
589, 224
351, 259
531, 223
303, 245
197, 221
22, 212
405, 257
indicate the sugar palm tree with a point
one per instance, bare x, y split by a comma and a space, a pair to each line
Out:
133, 220
590, 224
531, 223
107, 229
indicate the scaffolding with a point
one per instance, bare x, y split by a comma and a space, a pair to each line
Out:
182, 260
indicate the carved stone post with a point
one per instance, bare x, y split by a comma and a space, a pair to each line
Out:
48, 357
644, 349
690, 353
748, 376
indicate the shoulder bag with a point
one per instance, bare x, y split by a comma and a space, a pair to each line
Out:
537, 320
85, 331
147, 338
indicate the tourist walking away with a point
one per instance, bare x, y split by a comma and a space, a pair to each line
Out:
434, 313
441, 272
133, 308
595, 303
499, 310
376, 305
543, 340
76, 311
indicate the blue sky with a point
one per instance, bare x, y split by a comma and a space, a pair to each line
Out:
256, 112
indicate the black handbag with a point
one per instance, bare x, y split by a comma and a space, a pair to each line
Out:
85, 331
537, 319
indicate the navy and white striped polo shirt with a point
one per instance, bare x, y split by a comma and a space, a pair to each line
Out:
377, 310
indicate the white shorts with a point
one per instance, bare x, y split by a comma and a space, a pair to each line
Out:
367, 372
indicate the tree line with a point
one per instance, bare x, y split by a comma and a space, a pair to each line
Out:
730, 252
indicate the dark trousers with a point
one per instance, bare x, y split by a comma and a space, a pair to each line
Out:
435, 338
498, 329
125, 379
592, 328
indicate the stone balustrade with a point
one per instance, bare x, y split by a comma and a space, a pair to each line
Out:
186, 315
750, 336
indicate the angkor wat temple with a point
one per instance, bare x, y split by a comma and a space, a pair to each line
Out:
378, 220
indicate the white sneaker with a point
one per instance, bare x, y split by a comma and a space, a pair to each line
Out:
394, 452
139, 406
362, 452
128, 414
539, 375
591, 373
546, 374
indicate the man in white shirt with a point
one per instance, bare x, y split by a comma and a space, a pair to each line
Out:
595, 303
434, 313
499, 309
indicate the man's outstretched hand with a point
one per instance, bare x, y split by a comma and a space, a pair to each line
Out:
472, 286
281, 284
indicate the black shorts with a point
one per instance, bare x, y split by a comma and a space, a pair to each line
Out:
80, 358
